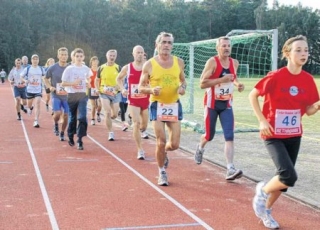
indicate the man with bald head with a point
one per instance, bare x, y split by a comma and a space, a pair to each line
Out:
138, 103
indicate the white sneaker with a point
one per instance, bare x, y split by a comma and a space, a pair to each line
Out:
36, 124
141, 155
144, 135
93, 122
163, 179
111, 136
268, 220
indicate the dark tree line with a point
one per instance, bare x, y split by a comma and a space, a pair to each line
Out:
42, 26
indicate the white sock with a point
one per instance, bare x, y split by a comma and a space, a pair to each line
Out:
161, 169
230, 165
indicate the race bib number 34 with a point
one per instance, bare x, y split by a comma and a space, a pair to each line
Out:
288, 122
167, 112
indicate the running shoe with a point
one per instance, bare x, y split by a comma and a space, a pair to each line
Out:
56, 129
61, 136
163, 179
124, 127
269, 221
111, 136
47, 107
198, 155
259, 201
80, 145
36, 124
141, 155
233, 174
93, 122
71, 141
144, 135
98, 117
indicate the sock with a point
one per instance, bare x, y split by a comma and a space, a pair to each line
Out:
230, 165
161, 169
19, 114
21, 106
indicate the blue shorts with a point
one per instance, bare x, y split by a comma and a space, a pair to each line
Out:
153, 111
33, 95
20, 92
113, 99
60, 105
226, 119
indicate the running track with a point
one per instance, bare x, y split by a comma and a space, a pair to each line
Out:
46, 184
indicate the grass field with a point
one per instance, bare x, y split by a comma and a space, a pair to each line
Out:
245, 119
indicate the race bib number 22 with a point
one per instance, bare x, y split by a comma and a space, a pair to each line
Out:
167, 112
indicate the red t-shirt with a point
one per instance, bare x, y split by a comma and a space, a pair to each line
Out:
93, 78
286, 98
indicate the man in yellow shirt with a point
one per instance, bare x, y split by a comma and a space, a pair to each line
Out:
109, 91
163, 77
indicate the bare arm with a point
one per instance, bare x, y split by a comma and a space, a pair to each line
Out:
265, 127
183, 83
312, 109
236, 82
144, 86
121, 76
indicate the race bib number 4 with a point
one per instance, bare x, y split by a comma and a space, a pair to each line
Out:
223, 91
288, 122
135, 92
60, 90
167, 112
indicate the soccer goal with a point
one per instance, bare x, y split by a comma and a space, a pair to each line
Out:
256, 51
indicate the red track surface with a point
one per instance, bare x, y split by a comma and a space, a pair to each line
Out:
46, 184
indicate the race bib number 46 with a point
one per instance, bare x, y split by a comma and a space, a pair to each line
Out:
288, 122
167, 112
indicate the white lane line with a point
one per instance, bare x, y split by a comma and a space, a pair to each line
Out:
156, 226
44, 193
176, 203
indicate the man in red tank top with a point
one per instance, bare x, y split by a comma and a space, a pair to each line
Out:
137, 102
219, 78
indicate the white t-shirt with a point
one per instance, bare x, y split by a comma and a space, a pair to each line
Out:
34, 77
72, 73
3, 74
14, 75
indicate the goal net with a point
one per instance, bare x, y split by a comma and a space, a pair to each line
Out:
256, 51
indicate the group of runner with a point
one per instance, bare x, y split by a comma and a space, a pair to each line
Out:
152, 88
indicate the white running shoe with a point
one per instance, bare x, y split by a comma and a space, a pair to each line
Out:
141, 155
93, 122
36, 124
268, 220
163, 179
259, 201
111, 136
144, 135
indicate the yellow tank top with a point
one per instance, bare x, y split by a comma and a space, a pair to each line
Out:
167, 79
108, 76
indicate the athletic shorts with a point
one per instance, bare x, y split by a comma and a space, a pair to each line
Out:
284, 154
113, 99
153, 111
140, 103
20, 92
226, 120
59, 104
33, 95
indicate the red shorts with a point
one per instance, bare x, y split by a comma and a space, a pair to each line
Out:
142, 103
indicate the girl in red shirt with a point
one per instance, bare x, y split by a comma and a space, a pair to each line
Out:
289, 93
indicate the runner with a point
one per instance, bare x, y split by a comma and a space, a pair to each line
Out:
219, 78
59, 95
49, 63
109, 91
19, 88
138, 103
163, 77
32, 76
75, 79
93, 93
288, 93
